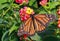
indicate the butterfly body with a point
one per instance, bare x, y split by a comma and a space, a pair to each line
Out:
36, 23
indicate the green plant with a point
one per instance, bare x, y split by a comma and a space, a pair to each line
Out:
10, 19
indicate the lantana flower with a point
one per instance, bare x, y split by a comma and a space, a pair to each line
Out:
58, 11
43, 2
59, 23
25, 13
29, 11
21, 1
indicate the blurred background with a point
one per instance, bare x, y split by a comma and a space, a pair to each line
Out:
10, 19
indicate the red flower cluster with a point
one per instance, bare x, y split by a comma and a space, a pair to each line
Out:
24, 37
21, 1
59, 23
25, 13
58, 11
43, 2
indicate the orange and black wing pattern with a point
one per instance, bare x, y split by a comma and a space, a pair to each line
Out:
41, 21
27, 28
36, 24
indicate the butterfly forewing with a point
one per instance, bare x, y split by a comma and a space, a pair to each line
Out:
27, 25
41, 21
46, 20
42, 18
24, 29
26, 22
40, 15
38, 26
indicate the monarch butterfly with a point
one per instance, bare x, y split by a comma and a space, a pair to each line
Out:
36, 23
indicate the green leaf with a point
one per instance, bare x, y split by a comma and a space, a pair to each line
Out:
52, 5
3, 1
33, 3
13, 28
9, 0
3, 6
7, 37
51, 38
1, 20
36, 37
2, 39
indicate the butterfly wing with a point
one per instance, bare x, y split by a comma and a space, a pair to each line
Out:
27, 28
41, 21
38, 26
32, 29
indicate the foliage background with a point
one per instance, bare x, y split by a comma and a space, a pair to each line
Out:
10, 20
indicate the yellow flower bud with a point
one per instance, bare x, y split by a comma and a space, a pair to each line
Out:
29, 10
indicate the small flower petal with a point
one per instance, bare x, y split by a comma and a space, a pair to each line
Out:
43, 2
